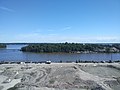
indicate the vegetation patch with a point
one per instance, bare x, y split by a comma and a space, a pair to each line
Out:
2, 45
51, 81
72, 48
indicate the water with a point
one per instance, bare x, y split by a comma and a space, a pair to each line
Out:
15, 46
12, 53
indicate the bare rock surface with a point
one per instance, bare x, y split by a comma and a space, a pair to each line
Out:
60, 76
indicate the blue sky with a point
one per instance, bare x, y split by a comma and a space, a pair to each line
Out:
39, 21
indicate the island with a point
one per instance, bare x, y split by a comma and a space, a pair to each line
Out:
2, 45
71, 48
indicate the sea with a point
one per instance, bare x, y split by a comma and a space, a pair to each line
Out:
13, 53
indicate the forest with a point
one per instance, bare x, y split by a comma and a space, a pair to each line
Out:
71, 48
2, 45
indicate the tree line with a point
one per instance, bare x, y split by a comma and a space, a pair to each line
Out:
71, 48
2, 45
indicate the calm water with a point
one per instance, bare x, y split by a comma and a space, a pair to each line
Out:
12, 53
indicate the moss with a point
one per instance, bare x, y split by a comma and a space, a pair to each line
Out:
51, 81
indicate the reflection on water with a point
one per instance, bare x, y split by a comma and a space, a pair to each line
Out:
12, 53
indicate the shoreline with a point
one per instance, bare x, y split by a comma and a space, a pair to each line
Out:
40, 62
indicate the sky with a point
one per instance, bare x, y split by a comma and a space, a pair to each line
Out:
57, 21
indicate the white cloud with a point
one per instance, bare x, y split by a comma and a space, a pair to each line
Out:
52, 34
66, 28
60, 29
56, 38
6, 9
101, 39
50, 30
109, 39
34, 37
53, 38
